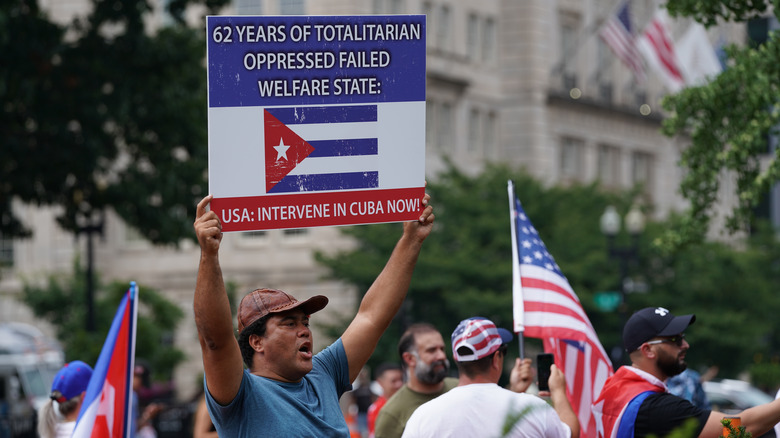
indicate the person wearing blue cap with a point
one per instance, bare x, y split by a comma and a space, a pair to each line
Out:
57, 417
479, 407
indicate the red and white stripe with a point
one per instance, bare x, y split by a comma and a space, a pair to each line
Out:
657, 47
554, 313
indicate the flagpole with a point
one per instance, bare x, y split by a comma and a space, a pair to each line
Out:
516, 284
133, 302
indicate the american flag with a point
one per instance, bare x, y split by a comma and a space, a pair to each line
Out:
657, 47
546, 307
617, 33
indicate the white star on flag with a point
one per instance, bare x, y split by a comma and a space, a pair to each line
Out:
281, 150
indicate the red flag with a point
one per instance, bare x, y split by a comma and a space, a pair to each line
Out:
551, 311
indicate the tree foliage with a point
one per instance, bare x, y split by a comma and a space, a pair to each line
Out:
465, 269
729, 122
63, 302
103, 113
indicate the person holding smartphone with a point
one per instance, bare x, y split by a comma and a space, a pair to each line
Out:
479, 407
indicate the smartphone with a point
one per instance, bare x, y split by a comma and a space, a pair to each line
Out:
543, 363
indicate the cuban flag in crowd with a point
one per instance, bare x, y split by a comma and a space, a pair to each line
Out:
106, 409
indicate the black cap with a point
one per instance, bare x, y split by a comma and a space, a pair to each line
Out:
652, 322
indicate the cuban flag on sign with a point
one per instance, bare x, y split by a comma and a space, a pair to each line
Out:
106, 409
316, 148
303, 143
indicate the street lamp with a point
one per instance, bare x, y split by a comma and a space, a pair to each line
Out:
610, 227
90, 225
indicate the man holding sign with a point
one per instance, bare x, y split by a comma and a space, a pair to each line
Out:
287, 390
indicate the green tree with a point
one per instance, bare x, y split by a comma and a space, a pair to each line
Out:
728, 121
103, 113
62, 302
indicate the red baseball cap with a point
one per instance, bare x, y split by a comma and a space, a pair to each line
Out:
261, 302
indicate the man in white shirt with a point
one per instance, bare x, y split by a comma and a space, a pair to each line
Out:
479, 407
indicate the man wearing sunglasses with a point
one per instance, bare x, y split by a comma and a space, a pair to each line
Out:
635, 401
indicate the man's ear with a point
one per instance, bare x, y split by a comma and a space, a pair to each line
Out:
498, 361
409, 359
648, 351
256, 342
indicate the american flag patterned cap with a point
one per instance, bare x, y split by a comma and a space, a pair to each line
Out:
479, 336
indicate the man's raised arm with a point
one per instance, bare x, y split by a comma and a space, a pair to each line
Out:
222, 361
757, 420
386, 294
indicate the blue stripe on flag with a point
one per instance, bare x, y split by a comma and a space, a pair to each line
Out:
342, 148
324, 114
327, 181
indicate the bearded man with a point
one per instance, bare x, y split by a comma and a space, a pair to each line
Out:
422, 352
635, 400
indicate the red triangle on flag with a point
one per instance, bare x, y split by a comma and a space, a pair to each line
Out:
284, 149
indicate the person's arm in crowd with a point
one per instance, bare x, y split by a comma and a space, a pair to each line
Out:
222, 360
757, 420
202, 426
386, 294
561, 404
521, 376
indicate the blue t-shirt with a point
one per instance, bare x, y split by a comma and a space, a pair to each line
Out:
309, 408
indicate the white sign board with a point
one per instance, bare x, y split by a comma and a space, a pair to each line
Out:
316, 120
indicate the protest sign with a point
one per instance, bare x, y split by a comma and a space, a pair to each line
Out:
316, 120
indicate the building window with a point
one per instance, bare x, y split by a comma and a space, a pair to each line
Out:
444, 131
642, 169
489, 134
472, 35
569, 40
489, 40
609, 165
292, 7
430, 123
396, 6
604, 73
474, 131
6, 252
388, 6
572, 159
248, 7
443, 28
296, 232
254, 234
